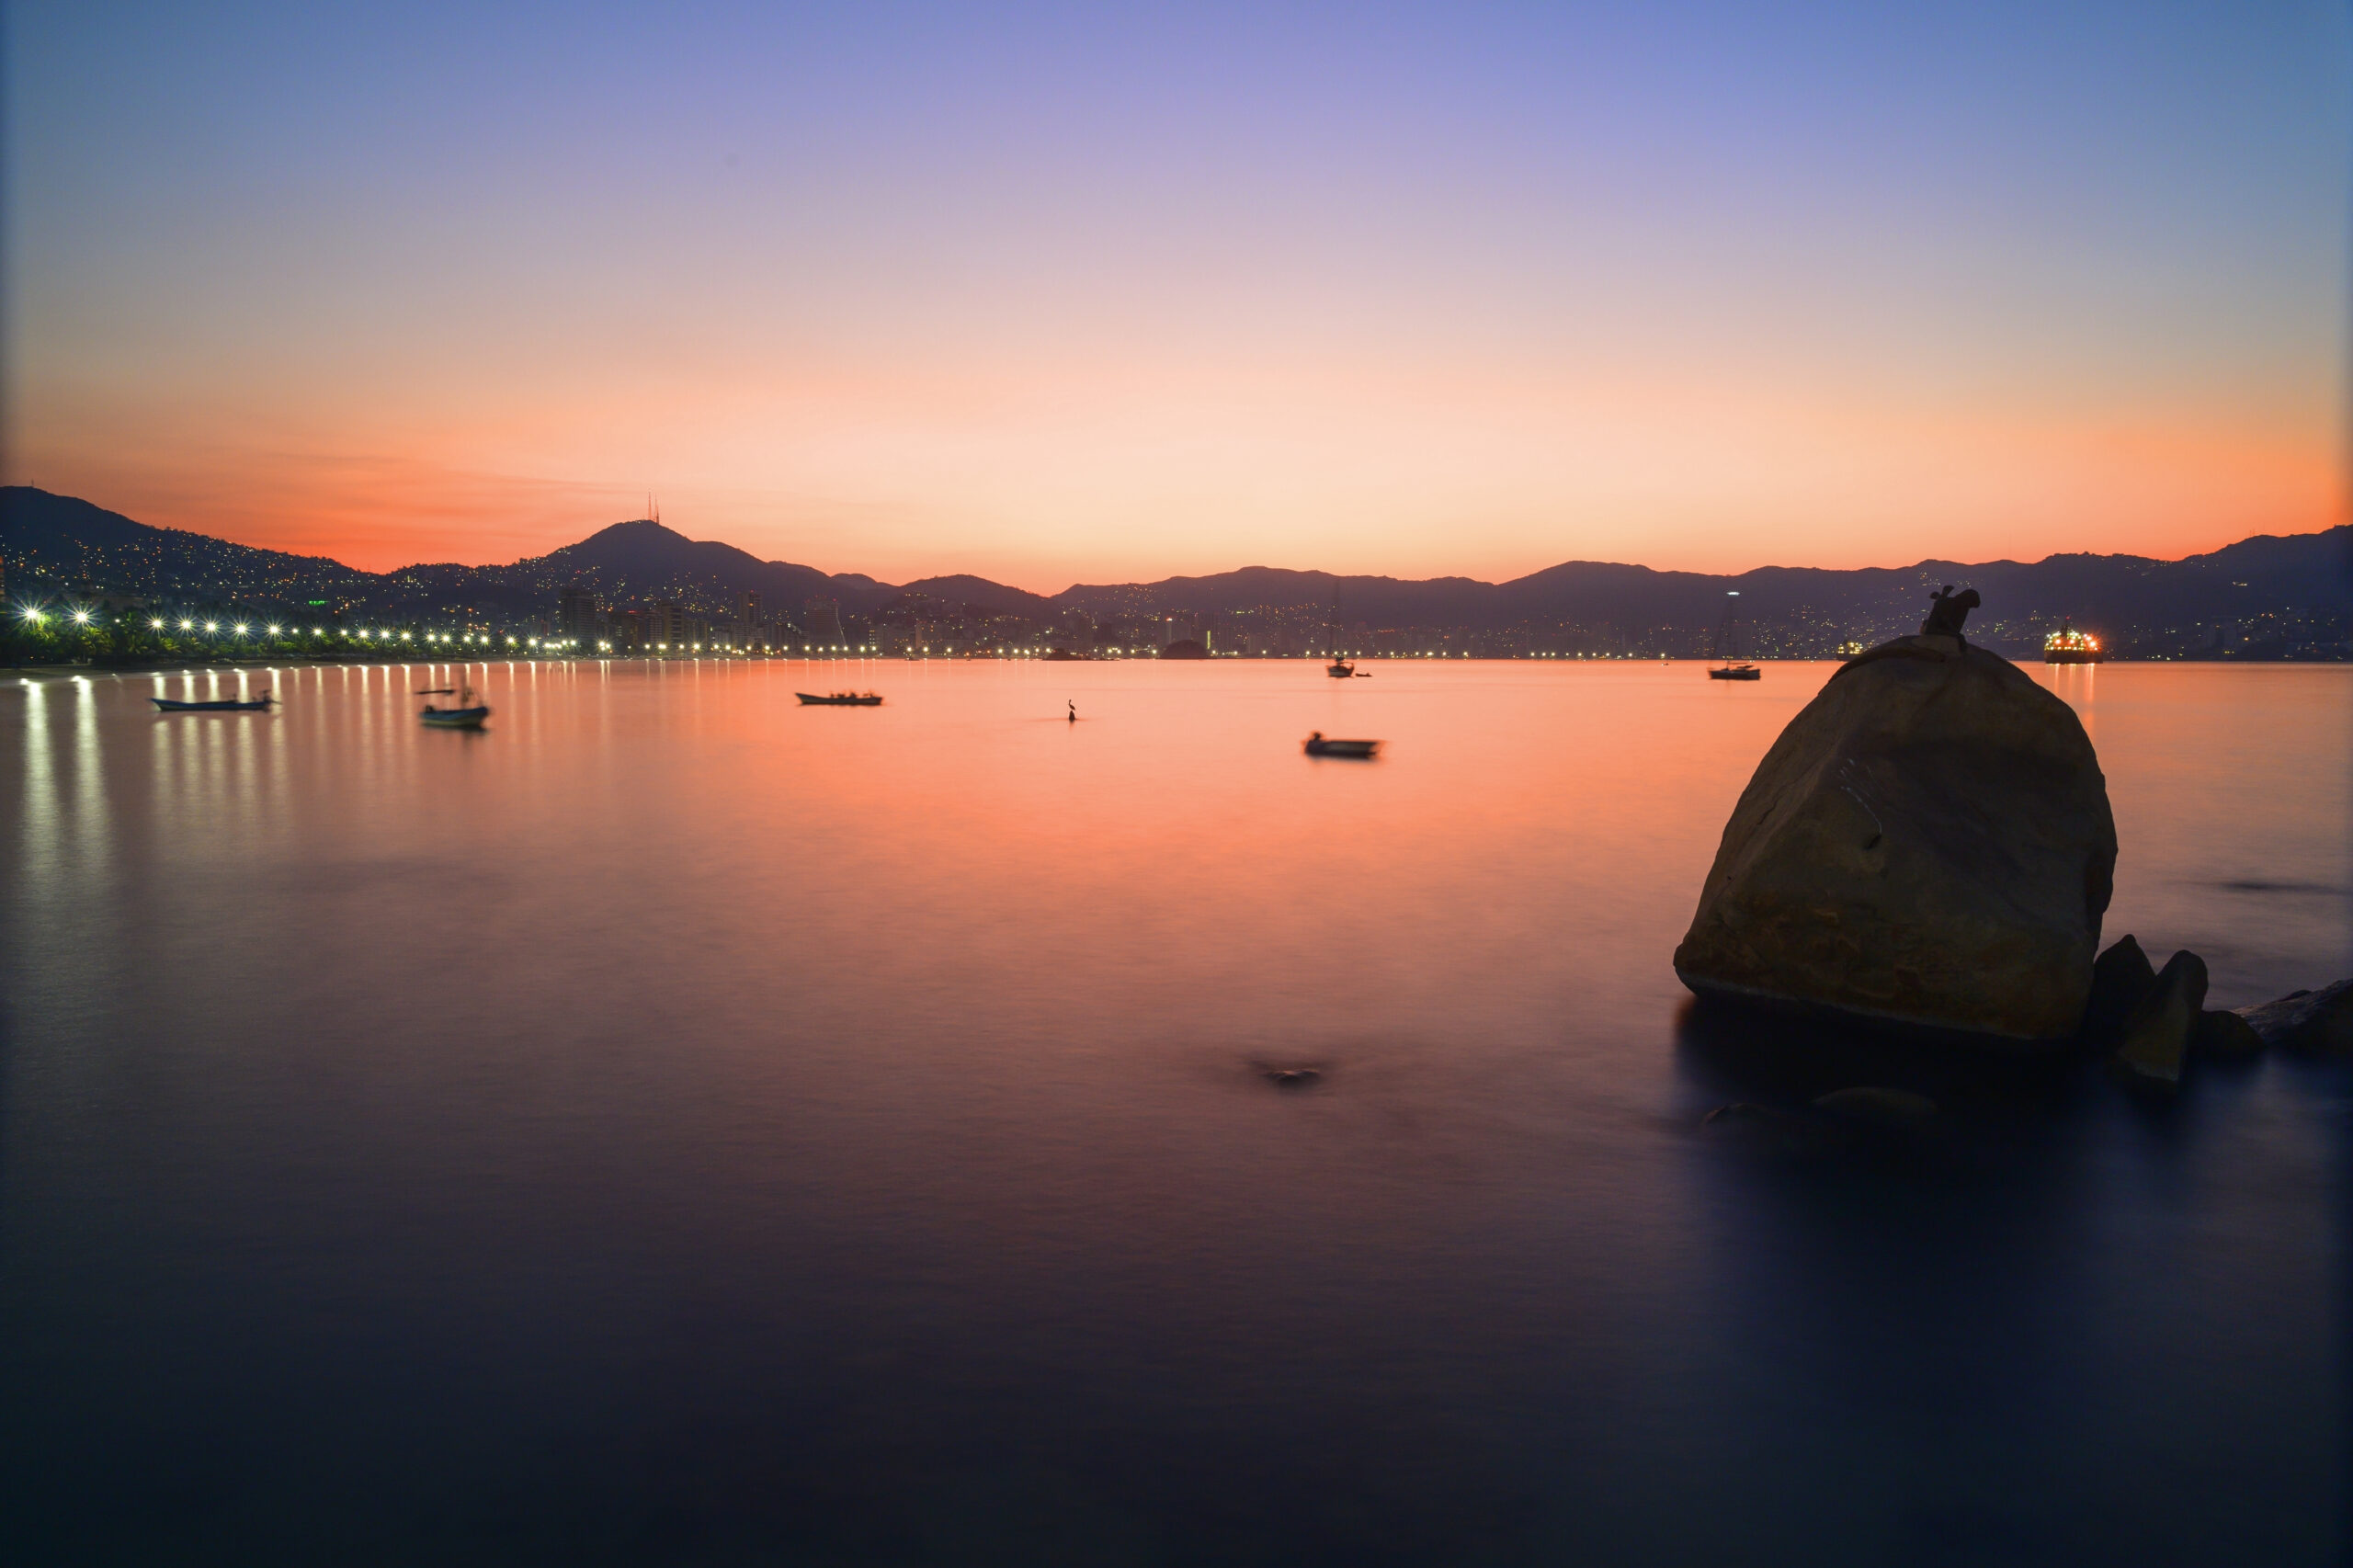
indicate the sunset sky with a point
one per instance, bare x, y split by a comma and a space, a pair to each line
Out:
1052, 295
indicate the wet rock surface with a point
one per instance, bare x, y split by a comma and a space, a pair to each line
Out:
1928, 844
2315, 1021
2226, 1037
2158, 1036
2122, 977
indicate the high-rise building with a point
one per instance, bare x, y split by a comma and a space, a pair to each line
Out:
576, 616
747, 633
667, 625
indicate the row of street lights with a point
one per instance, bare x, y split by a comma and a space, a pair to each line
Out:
554, 644
82, 618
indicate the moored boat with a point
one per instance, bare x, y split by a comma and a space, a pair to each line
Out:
1730, 666
2069, 646
469, 717
839, 700
1318, 745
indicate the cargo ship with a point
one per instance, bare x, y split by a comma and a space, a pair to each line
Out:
2069, 646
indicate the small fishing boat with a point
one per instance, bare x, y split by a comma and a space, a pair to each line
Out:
1340, 669
839, 700
1317, 745
468, 717
1736, 672
436, 691
166, 705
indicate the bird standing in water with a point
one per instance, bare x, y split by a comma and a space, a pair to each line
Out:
1073, 710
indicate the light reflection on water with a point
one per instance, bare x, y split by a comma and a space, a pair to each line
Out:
678, 1125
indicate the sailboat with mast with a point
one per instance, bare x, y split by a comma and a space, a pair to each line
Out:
1339, 668
1729, 664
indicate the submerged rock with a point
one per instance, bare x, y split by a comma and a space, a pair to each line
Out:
1293, 1077
1740, 1111
2226, 1035
2158, 1036
1766, 1126
2122, 977
1927, 844
2307, 1020
1880, 1106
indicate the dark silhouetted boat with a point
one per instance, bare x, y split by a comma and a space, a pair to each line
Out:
1730, 666
1317, 745
166, 705
839, 700
469, 717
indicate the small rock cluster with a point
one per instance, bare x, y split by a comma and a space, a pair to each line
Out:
2152, 1022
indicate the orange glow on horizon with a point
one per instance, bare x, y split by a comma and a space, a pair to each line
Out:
1480, 478
1113, 299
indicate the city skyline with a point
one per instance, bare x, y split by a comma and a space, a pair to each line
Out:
1056, 299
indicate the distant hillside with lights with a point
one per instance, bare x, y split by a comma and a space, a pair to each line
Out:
2265, 597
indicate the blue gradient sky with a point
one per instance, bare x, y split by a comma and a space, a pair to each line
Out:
1054, 294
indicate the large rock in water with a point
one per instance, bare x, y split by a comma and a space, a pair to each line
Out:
1927, 844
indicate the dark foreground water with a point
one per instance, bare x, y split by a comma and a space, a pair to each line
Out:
679, 1127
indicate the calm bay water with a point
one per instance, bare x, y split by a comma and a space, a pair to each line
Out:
677, 1126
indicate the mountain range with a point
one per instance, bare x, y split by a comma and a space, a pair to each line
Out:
50, 544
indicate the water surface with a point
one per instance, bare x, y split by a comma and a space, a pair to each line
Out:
678, 1125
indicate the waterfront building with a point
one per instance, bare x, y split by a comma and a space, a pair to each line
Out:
576, 616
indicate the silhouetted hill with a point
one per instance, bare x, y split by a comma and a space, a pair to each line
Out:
643, 559
2115, 595
994, 597
2295, 587
1459, 601
64, 542
61, 542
